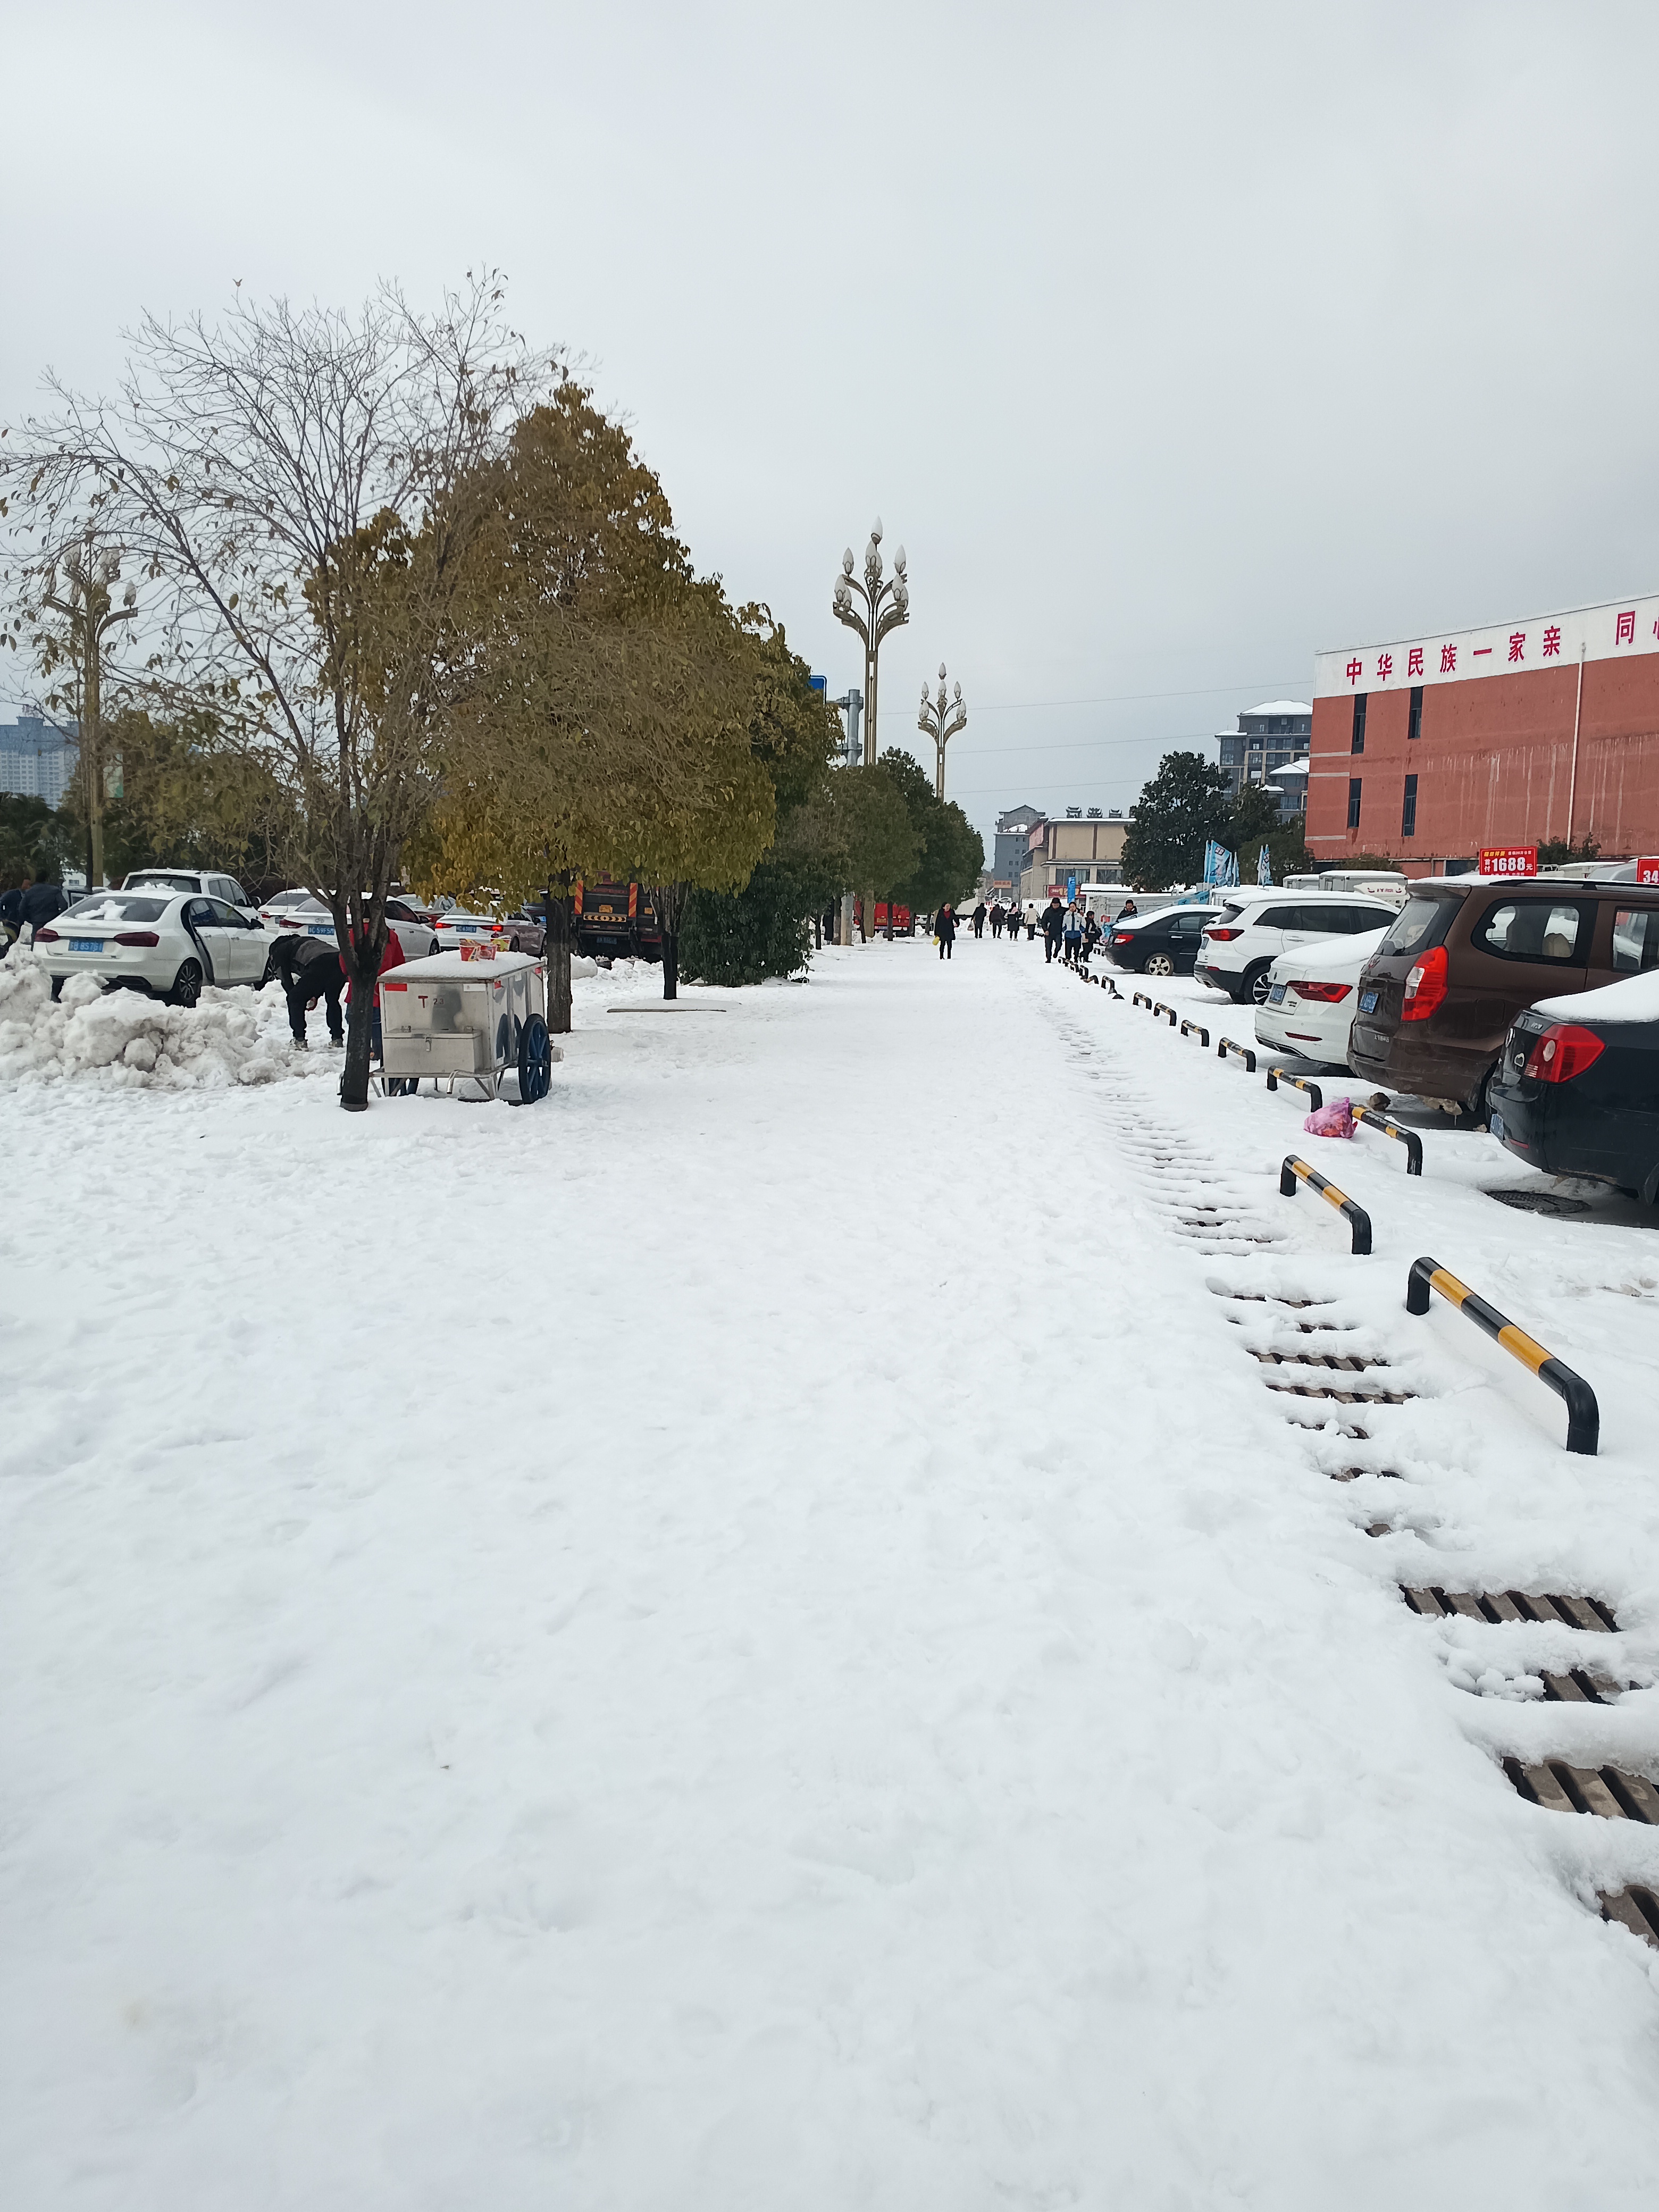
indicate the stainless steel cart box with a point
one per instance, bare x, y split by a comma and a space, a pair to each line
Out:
451, 1018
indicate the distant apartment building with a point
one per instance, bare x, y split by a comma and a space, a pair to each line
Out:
1271, 746
37, 759
1083, 847
1008, 854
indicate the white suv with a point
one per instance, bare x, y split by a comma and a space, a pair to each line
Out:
1255, 927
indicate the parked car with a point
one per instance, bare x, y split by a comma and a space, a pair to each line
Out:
300, 910
1162, 944
1312, 994
1243, 942
460, 926
527, 931
162, 942
1466, 954
207, 883
1577, 1092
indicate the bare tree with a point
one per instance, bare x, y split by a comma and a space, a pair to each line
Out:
307, 489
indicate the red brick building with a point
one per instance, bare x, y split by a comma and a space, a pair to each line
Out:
1431, 747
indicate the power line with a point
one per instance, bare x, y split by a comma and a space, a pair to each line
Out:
1115, 698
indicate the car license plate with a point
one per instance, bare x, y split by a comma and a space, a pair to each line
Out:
1368, 1002
1495, 1125
1276, 995
319, 929
86, 945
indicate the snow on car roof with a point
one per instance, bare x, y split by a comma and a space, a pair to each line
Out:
123, 906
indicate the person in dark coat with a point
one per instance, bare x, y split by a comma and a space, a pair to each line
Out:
308, 968
11, 916
1053, 928
41, 902
944, 928
996, 920
979, 919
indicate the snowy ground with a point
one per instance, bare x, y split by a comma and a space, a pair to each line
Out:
751, 1636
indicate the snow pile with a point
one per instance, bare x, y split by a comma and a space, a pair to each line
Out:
124, 1039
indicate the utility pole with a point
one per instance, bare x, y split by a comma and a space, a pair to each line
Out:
850, 704
90, 614
886, 604
940, 719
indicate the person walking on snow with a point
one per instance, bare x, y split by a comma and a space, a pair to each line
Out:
1054, 927
979, 919
1073, 933
996, 920
944, 928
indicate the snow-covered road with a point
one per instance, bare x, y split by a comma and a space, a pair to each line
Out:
754, 1637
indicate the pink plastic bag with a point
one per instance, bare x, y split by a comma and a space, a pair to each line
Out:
1335, 1119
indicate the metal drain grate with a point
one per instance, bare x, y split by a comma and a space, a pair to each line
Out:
1635, 1909
1606, 1791
1541, 1201
1342, 1397
1593, 1614
1351, 1362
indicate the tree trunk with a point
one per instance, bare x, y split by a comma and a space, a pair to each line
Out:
557, 915
360, 1017
668, 904
866, 917
671, 964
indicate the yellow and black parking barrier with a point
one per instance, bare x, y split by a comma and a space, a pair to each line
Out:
1583, 1414
1243, 1051
1161, 1009
1198, 1029
1408, 1138
1141, 999
1277, 1075
1294, 1170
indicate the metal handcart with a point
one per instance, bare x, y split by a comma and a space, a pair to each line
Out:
461, 1018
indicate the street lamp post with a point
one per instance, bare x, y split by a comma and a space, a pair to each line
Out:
941, 719
885, 604
872, 608
90, 614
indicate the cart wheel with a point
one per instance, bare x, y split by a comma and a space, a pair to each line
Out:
535, 1061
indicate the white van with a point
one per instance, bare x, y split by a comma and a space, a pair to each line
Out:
1368, 883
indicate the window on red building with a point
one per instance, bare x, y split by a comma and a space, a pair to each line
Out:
1353, 802
1408, 811
1358, 745
1414, 726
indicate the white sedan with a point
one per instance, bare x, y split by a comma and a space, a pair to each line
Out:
1312, 992
156, 941
457, 927
301, 913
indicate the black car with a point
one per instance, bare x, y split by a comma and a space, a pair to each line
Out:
1579, 1094
1162, 944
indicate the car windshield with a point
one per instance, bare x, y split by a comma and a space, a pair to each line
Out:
1422, 922
117, 906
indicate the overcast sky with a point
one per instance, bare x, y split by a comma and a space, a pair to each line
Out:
1173, 342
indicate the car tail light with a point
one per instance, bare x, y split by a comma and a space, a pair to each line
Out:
1327, 994
1425, 985
46, 937
1223, 936
1565, 1049
1123, 936
137, 937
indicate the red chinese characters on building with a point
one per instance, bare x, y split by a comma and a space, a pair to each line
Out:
1448, 660
1384, 666
1517, 645
1355, 670
1552, 641
1627, 627
1414, 661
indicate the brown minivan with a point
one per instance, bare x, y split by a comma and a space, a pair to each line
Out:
1466, 954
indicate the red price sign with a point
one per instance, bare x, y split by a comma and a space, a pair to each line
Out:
1647, 871
1508, 859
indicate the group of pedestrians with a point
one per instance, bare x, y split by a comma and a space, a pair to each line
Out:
1070, 931
30, 907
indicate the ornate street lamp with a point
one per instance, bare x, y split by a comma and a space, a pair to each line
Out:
872, 608
90, 613
941, 719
